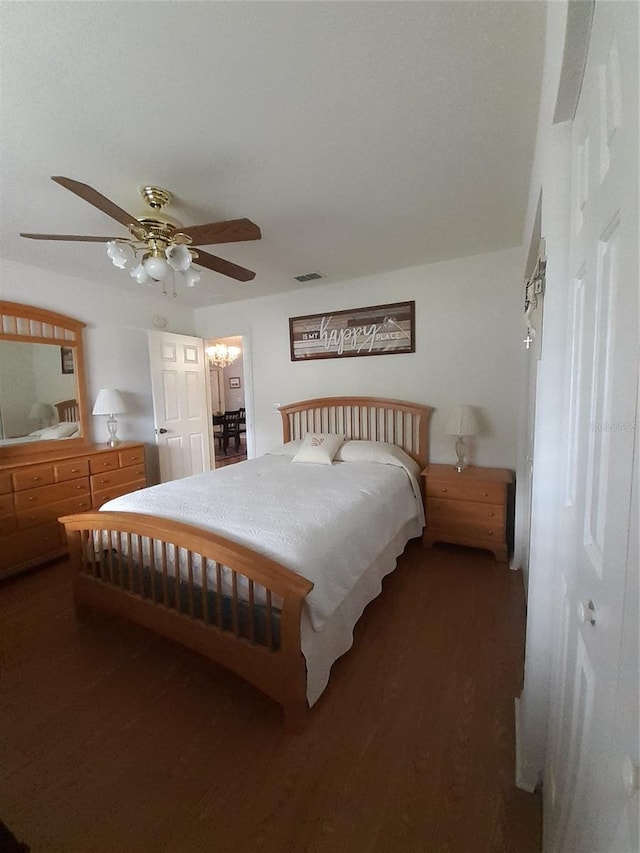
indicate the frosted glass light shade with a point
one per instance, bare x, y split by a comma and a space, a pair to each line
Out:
178, 258
109, 402
191, 277
157, 268
121, 254
462, 421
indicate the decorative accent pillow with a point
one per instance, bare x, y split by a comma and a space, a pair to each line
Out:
318, 447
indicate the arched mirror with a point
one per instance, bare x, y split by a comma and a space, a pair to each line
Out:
42, 387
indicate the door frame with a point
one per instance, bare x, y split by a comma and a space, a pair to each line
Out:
247, 380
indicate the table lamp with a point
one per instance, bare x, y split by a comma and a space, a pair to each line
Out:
109, 402
462, 422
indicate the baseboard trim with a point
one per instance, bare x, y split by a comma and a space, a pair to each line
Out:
527, 779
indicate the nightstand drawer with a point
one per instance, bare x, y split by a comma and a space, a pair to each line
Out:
5, 484
445, 489
486, 492
446, 512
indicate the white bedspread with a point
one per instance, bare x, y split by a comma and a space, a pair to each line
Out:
334, 523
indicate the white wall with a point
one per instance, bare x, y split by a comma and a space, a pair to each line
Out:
115, 339
468, 348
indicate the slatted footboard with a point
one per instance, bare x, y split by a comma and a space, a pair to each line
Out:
219, 598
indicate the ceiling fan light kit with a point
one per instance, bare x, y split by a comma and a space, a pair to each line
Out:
157, 249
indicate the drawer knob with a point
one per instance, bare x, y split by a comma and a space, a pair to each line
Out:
74, 470
485, 494
32, 499
491, 533
491, 514
443, 490
36, 479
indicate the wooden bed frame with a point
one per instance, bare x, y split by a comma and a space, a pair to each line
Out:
268, 655
68, 411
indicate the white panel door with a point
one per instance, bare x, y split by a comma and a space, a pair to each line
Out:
178, 380
593, 736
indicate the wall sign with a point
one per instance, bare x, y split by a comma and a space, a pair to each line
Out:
378, 330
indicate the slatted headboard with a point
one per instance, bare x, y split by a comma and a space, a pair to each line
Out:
68, 411
370, 418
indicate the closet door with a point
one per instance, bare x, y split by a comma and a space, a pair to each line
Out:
590, 801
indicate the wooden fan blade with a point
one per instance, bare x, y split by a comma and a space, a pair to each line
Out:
74, 237
87, 193
231, 231
216, 264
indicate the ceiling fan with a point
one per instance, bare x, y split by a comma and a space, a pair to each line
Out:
157, 246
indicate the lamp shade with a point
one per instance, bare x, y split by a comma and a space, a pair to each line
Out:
40, 412
109, 402
462, 421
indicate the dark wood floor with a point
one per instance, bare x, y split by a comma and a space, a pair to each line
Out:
233, 454
112, 739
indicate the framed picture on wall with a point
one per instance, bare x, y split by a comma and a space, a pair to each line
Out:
234, 382
376, 330
66, 358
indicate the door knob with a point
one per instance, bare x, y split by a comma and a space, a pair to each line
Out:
586, 612
162, 430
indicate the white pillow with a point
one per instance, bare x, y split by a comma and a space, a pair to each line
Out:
61, 430
318, 447
288, 449
376, 451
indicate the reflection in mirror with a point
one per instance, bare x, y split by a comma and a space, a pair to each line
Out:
35, 378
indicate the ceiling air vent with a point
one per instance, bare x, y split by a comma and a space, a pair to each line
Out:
310, 276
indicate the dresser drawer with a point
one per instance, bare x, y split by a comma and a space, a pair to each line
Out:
29, 478
134, 456
6, 486
26, 545
116, 478
104, 462
50, 512
7, 525
101, 496
51, 494
71, 470
6, 505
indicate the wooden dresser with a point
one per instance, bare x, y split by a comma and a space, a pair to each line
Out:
468, 507
35, 493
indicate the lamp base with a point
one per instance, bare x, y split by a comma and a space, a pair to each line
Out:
112, 426
461, 452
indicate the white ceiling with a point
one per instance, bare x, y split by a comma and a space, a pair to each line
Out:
361, 137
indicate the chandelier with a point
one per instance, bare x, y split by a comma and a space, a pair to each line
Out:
155, 252
221, 355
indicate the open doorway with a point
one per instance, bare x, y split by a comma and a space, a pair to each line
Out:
228, 409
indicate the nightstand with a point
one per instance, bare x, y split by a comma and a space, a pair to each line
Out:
467, 507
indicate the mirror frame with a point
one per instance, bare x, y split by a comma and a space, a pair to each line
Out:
38, 326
